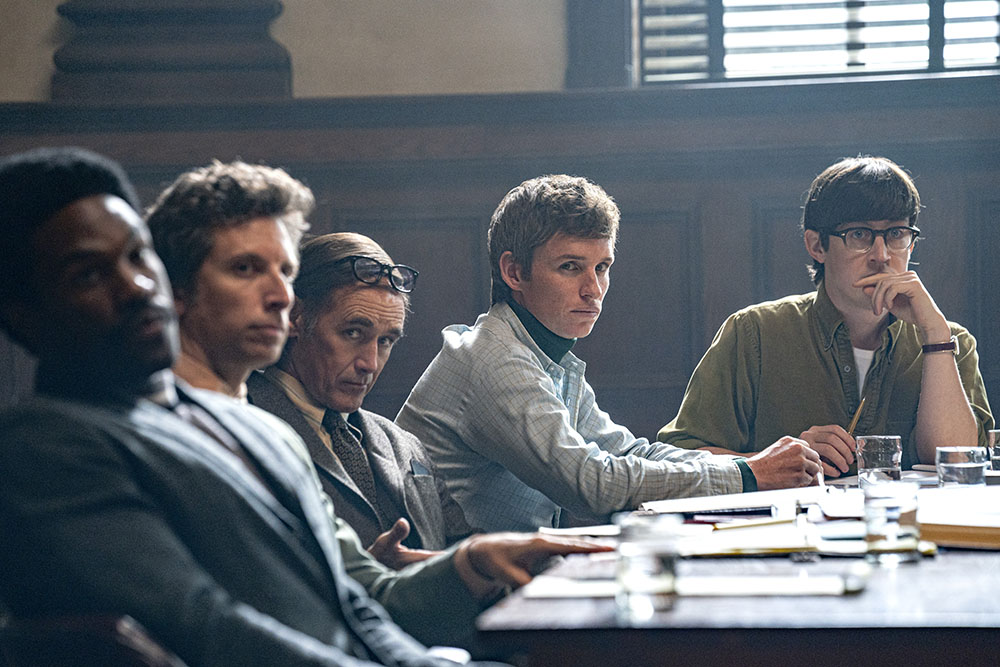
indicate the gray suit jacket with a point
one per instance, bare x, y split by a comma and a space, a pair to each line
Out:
126, 508
398, 461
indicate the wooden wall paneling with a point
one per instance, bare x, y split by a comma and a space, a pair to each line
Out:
983, 238
645, 345
727, 257
941, 259
708, 153
780, 259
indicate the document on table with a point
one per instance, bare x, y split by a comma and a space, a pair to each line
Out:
786, 502
851, 580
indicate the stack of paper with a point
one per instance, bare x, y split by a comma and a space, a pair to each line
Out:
960, 516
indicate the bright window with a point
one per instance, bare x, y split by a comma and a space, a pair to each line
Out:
678, 40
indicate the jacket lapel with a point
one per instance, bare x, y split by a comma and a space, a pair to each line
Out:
382, 458
288, 474
175, 432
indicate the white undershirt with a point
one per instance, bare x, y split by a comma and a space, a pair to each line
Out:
862, 362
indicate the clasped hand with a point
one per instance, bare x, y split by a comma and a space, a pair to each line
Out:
904, 295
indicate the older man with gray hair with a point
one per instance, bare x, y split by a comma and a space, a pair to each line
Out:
350, 310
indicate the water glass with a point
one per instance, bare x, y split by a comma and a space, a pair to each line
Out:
879, 458
961, 465
892, 533
647, 559
993, 445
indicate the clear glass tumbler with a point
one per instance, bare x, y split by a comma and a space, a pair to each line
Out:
647, 558
960, 466
879, 458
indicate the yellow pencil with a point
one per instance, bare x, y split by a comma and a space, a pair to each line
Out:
857, 416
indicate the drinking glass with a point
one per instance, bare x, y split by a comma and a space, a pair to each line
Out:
879, 458
647, 558
892, 533
961, 465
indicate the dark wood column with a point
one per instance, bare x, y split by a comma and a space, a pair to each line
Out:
171, 50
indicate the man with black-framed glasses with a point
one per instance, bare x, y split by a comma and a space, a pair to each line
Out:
802, 364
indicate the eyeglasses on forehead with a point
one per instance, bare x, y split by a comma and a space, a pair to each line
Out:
369, 271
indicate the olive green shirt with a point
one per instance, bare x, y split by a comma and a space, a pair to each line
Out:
781, 367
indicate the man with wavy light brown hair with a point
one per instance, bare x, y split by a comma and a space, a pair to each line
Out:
505, 409
228, 234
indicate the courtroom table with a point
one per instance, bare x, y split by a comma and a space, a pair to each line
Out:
943, 610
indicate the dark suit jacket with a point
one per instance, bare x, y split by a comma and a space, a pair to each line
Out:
398, 461
126, 508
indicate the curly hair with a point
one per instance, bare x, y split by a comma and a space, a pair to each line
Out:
186, 215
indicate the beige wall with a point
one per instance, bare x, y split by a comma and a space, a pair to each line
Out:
30, 32
343, 48
400, 47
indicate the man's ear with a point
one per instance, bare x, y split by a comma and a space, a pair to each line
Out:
295, 320
511, 271
180, 301
814, 245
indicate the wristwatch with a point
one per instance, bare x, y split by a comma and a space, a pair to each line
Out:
950, 346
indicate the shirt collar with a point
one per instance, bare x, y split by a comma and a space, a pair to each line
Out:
297, 394
313, 413
165, 395
554, 346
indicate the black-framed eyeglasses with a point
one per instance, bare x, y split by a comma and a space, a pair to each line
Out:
402, 278
861, 239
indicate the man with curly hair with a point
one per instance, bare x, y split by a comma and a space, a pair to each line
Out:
228, 234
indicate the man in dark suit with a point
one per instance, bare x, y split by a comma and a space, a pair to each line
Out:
350, 309
126, 492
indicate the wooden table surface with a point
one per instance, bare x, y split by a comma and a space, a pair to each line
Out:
943, 610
